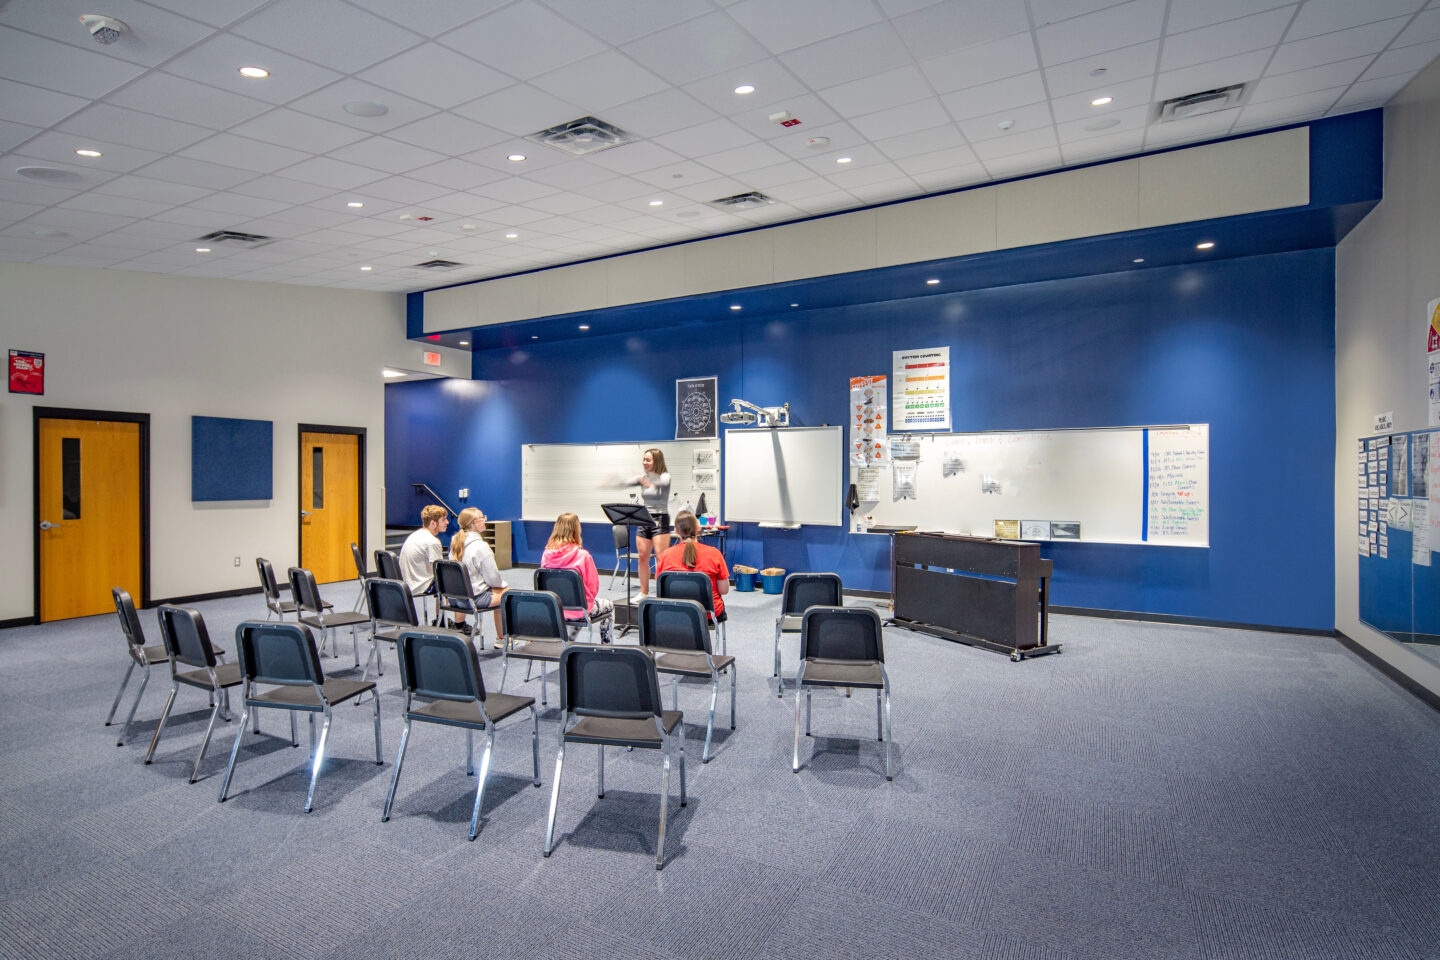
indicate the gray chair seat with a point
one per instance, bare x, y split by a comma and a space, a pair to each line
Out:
226, 675
620, 733
336, 691
344, 618
537, 649
467, 712
842, 673
790, 623
690, 664
156, 654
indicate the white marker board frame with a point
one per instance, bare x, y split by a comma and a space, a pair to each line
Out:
558, 478
785, 475
1140, 485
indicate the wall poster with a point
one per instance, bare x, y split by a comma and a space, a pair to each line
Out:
695, 409
868, 421
922, 389
1432, 355
27, 372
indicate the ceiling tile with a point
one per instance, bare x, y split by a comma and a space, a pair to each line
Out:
982, 63
619, 23
1053, 11
155, 35
571, 174
619, 190
217, 62
436, 75
1343, 45
634, 158
1127, 63
1000, 95
920, 115
332, 173
1406, 60
601, 82
456, 174
704, 138
448, 134
670, 176
1189, 16
279, 188
741, 160
939, 160
1422, 29
10, 211
932, 31
385, 153
798, 23
802, 146
330, 101
179, 222
14, 134
298, 130
519, 110
810, 110
775, 88
238, 205
433, 17
61, 147
1309, 105
1209, 76
1020, 164
561, 204
496, 157
170, 96
861, 155
864, 176
696, 48
23, 103
119, 125
311, 216
1123, 96
1233, 37
328, 32
510, 40
405, 190
1111, 124
1204, 127
1009, 146
1037, 116
26, 191
81, 224
1327, 16
1371, 93
513, 190
880, 92
1108, 29
146, 188
944, 137
1281, 86
243, 152
850, 56
59, 66
196, 173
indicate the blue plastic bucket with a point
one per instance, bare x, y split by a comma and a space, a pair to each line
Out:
773, 583
745, 582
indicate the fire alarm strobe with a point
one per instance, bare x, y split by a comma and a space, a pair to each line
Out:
785, 118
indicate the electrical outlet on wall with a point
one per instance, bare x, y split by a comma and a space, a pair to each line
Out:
237, 561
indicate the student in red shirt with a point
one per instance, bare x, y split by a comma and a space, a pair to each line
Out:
691, 554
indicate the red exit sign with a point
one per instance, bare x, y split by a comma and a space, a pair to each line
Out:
432, 359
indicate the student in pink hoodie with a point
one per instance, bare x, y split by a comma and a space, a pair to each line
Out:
564, 552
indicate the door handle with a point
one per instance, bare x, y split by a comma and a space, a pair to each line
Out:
304, 513
47, 525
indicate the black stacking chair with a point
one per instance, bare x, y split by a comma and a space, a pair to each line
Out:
567, 585
693, 585
453, 593
674, 632
392, 611
443, 669
623, 556
188, 643
387, 565
534, 630
362, 572
312, 613
613, 696
801, 592
271, 588
140, 656
283, 656
842, 647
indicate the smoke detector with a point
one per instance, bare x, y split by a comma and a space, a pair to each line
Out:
105, 30
1196, 104
583, 136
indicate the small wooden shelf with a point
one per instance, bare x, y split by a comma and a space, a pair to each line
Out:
497, 535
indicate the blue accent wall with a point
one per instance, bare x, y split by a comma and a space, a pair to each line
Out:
1245, 344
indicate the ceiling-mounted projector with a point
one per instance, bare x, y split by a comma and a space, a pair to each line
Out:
744, 413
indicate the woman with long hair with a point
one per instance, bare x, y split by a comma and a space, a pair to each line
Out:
564, 551
654, 484
691, 554
474, 554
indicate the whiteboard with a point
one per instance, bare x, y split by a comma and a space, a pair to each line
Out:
558, 478
786, 475
1121, 485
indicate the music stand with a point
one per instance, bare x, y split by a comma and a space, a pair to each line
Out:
631, 515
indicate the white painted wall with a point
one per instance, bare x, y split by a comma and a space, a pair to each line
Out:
175, 347
1385, 273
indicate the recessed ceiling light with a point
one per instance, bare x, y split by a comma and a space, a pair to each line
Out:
367, 269
931, 282
467, 226
464, 343
366, 108
202, 249
1206, 245
515, 157
1100, 101
584, 326
657, 203
393, 373
1005, 124
355, 203
511, 236
844, 159
794, 304
254, 73
82, 152
534, 336
745, 88
1138, 260
1105, 124
734, 306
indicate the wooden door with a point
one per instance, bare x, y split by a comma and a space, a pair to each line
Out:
89, 476
329, 504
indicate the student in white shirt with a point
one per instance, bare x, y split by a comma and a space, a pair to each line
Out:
475, 555
422, 548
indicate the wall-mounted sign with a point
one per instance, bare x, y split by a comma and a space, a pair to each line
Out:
695, 406
27, 372
431, 358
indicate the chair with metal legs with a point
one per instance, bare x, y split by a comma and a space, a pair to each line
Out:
842, 647
312, 613
273, 604
801, 592
392, 612
388, 566
140, 656
610, 697
674, 632
283, 657
535, 631
443, 669
454, 593
570, 588
694, 585
623, 554
361, 572
188, 643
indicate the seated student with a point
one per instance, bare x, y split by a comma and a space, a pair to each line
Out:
422, 548
475, 555
691, 554
563, 551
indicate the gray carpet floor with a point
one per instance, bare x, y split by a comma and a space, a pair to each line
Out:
1154, 791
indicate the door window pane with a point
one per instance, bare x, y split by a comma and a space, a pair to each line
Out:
70, 478
317, 478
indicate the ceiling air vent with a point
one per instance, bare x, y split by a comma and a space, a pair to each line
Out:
1206, 101
234, 239
438, 265
742, 201
586, 135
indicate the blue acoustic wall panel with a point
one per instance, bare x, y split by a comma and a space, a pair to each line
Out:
1244, 344
231, 459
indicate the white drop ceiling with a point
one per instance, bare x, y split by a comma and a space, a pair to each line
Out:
922, 96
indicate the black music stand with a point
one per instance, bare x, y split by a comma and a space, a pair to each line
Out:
631, 515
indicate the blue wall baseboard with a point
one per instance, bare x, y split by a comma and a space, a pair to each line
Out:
1244, 344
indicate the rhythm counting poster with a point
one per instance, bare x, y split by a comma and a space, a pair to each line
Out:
922, 390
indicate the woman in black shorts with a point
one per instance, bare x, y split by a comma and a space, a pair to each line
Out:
654, 484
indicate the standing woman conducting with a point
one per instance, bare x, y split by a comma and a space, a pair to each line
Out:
654, 484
